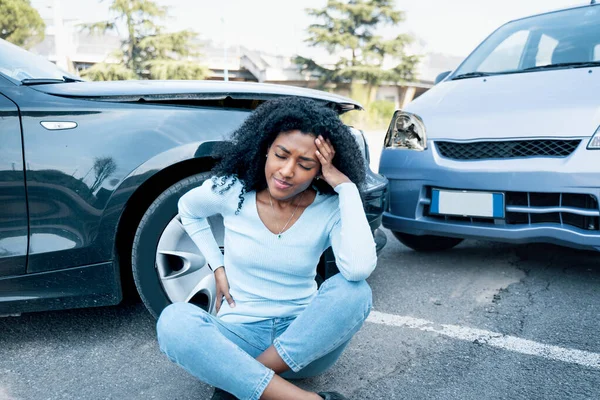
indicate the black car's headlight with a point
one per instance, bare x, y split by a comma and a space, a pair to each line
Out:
594, 143
406, 131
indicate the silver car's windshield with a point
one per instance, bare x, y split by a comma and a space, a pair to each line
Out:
567, 38
19, 64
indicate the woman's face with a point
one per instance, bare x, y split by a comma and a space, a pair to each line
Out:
291, 164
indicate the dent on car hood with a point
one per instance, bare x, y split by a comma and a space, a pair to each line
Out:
127, 91
561, 103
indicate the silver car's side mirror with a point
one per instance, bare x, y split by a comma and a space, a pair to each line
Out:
441, 77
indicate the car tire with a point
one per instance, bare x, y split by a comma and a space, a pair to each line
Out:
427, 243
149, 231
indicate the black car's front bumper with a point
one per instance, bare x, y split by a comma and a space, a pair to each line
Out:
375, 197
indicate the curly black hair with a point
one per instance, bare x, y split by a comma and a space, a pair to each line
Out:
243, 157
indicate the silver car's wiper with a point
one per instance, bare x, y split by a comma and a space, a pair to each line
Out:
472, 75
47, 81
580, 64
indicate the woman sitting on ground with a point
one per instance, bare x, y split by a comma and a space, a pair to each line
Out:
286, 187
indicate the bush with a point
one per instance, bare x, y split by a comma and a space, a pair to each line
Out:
381, 111
377, 113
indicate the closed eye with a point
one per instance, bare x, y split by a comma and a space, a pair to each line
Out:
301, 166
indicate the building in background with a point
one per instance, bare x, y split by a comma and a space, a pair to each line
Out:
78, 50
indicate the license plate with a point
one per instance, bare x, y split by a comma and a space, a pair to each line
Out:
467, 204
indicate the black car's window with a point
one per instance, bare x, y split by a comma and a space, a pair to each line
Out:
554, 39
19, 64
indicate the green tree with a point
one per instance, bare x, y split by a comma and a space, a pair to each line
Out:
348, 28
147, 51
20, 23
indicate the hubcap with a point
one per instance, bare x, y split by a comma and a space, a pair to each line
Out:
182, 268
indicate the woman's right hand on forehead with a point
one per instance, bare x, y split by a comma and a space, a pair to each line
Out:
325, 153
222, 289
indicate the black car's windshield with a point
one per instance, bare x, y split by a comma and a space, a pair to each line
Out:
21, 65
561, 39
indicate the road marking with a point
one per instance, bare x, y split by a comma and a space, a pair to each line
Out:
494, 339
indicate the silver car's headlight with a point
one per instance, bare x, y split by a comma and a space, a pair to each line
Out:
406, 131
594, 143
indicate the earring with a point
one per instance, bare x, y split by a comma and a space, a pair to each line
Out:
266, 156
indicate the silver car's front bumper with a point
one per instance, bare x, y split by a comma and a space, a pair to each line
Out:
551, 200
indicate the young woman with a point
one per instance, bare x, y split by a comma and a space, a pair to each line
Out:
287, 190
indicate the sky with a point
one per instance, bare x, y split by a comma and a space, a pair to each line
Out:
452, 27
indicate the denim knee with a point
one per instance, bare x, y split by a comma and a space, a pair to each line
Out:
360, 294
355, 294
173, 321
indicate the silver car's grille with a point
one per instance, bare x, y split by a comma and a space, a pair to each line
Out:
507, 149
533, 208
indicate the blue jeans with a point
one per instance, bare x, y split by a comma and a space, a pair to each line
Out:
223, 354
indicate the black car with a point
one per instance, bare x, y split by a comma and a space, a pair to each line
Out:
90, 175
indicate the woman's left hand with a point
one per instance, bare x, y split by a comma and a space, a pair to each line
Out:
329, 173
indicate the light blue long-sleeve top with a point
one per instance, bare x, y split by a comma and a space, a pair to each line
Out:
271, 277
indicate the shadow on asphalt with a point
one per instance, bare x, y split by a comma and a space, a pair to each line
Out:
522, 256
104, 322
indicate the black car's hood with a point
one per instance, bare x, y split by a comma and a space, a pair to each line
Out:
184, 90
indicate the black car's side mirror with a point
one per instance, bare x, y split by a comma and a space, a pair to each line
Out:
441, 77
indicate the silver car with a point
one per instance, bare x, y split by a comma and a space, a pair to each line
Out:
506, 147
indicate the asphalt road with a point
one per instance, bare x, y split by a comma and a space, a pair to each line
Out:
543, 294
